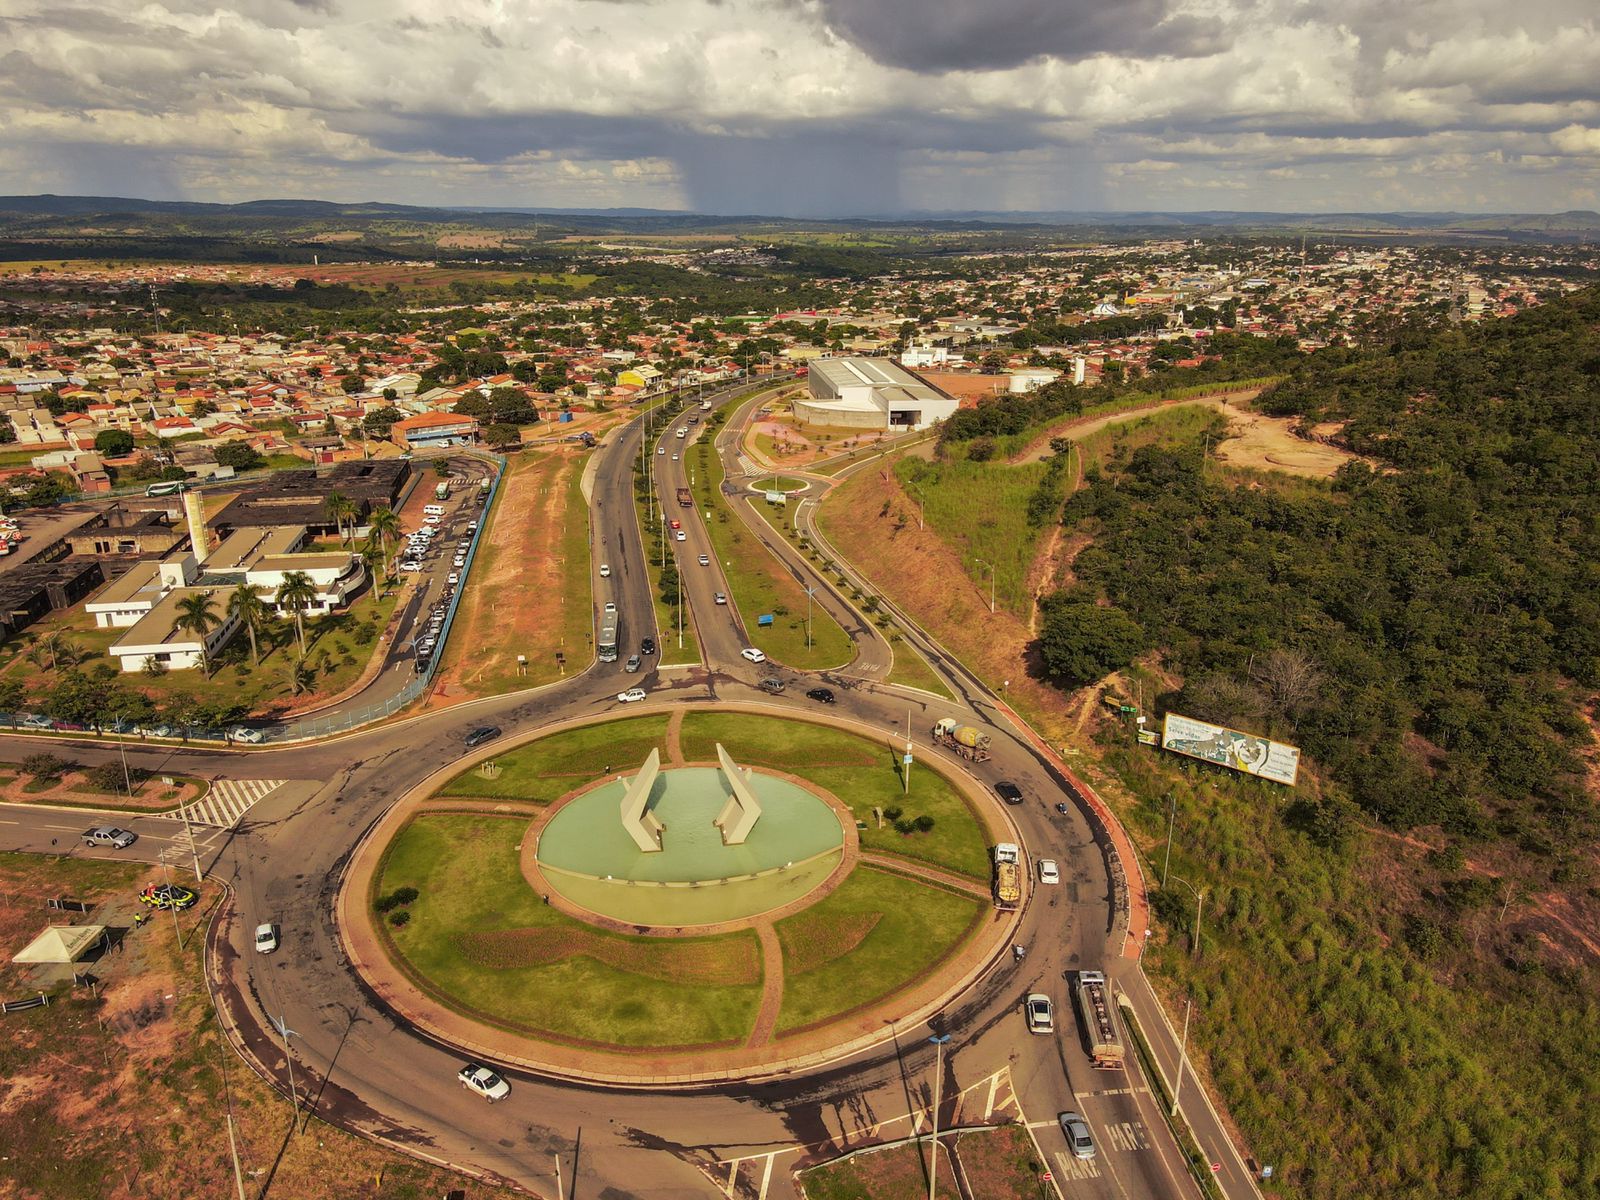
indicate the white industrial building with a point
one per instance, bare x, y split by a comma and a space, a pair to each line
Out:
870, 393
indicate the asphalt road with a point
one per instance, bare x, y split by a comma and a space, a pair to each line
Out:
357, 1066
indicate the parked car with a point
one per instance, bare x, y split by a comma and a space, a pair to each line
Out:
633, 664
821, 695
168, 895
1041, 1013
772, 685
486, 1083
1077, 1132
482, 734
266, 938
754, 655
1048, 871
631, 696
453, 578
109, 835
243, 733
35, 721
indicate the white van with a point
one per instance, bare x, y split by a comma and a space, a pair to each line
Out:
433, 510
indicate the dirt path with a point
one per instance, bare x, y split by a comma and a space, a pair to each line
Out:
771, 985
675, 738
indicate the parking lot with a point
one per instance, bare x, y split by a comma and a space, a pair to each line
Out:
436, 535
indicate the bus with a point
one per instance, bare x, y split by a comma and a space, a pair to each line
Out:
606, 648
169, 488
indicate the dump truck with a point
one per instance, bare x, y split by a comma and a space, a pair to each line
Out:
1099, 1021
967, 741
1007, 875
685, 498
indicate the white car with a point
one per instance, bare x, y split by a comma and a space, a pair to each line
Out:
631, 696
452, 578
705, 560
674, 458
1041, 1013
682, 536
410, 566
661, 449
605, 570
720, 598
459, 562
1048, 871
485, 1082
266, 938
611, 609
754, 655
247, 735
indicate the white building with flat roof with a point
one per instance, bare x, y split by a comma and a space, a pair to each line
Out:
870, 393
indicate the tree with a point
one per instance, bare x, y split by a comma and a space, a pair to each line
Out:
1081, 642
197, 614
372, 556
380, 421
241, 456
113, 442
297, 593
384, 524
12, 698
501, 434
340, 508
245, 603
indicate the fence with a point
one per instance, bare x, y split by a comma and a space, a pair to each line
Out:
11, 1006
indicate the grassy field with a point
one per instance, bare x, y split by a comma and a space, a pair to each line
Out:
547, 769
861, 773
758, 584
900, 1173
122, 1094
338, 648
874, 934
634, 991
910, 670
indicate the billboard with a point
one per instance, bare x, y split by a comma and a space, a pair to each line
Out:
1230, 748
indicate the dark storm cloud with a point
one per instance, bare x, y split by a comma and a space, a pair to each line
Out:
956, 35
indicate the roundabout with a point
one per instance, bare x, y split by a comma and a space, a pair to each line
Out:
753, 903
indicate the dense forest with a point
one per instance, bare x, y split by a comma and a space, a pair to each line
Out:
1389, 1013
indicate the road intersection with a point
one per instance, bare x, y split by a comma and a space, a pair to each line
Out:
357, 1065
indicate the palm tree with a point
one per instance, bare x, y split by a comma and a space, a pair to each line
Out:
296, 593
245, 603
45, 650
385, 525
302, 675
197, 614
340, 509
372, 557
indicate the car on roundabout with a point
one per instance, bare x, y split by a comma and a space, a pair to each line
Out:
821, 695
631, 696
487, 1083
751, 654
1008, 791
169, 895
772, 685
1048, 871
266, 938
109, 835
482, 734
1040, 1013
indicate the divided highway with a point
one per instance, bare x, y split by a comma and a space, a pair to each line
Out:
364, 1070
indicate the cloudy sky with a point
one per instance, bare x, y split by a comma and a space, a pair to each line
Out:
810, 107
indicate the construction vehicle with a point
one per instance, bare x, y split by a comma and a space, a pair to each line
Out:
1007, 875
1099, 1021
685, 498
969, 742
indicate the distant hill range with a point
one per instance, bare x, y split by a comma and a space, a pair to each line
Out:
289, 230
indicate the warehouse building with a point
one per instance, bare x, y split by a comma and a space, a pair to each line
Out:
870, 393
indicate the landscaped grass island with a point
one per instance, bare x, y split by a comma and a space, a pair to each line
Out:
453, 905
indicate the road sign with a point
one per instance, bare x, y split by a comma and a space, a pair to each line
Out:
1216, 1166
906, 760
764, 619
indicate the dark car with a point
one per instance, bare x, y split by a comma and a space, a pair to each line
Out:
168, 895
1061, 807
648, 646
820, 695
482, 734
772, 684
1008, 791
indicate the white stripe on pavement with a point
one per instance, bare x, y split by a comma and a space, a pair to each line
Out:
227, 801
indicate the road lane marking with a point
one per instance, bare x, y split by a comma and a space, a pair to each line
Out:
1071, 1167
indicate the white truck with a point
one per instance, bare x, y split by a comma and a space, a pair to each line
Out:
1007, 875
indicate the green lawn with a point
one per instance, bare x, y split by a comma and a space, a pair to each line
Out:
546, 770
465, 867
908, 927
910, 670
758, 584
861, 773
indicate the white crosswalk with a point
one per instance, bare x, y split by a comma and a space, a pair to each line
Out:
226, 802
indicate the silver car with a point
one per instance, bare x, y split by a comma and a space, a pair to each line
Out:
109, 835
1077, 1133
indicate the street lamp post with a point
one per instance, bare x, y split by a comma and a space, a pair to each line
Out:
1183, 1055
1199, 907
1172, 813
990, 565
938, 1078
810, 592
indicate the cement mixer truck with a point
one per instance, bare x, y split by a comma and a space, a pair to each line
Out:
970, 743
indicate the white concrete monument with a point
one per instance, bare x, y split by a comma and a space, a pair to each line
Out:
642, 824
742, 810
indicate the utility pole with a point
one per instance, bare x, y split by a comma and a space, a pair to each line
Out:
1199, 908
1172, 812
188, 835
166, 876
938, 1078
1183, 1052
810, 592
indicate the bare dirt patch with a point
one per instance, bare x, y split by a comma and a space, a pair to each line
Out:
899, 1173
999, 1164
527, 594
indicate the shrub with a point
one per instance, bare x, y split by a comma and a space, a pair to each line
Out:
45, 766
109, 777
400, 918
396, 899
924, 823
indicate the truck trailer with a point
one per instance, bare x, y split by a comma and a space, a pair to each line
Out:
1007, 875
1099, 1021
685, 498
966, 740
